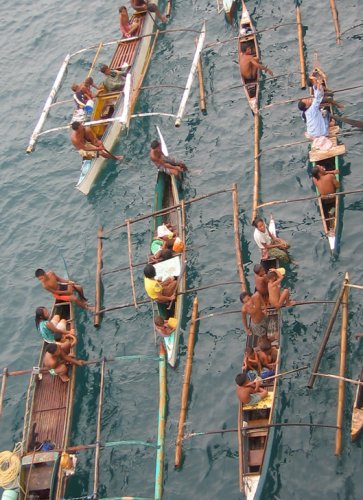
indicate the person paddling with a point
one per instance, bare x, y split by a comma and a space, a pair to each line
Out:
87, 144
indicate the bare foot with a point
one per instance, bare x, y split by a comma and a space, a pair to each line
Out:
291, 303
64, 378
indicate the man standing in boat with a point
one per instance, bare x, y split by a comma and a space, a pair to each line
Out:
87, 144
250, 64
164, 163
146, 6
317, 122
252, 306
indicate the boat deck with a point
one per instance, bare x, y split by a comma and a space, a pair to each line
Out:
126, 51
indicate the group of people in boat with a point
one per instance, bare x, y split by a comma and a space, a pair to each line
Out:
54, 330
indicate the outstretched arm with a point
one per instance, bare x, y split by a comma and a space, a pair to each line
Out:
256, 63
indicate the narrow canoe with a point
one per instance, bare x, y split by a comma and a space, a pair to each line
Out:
253, 445
48, 420
230, 7
136, 53
329, 207
247, 37
357, 415
167, 194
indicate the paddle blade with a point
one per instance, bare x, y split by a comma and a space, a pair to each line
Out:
349, 121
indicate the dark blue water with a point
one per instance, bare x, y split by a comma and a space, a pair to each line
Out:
45, 220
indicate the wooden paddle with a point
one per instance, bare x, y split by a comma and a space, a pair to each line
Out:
182, 271
349, 121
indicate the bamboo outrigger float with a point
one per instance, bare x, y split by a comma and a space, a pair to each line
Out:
168, 193
47, 426
247, 37
254, 445
357, 415
329, 206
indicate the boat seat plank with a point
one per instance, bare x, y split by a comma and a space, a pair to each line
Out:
316, 155
260, 421
256, 433
40, 477
255, 457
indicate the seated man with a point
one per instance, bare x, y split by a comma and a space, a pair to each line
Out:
277, 297
55, 360
165, 327
87, 144
61, 288
250, 64
146, 6
164, 163
164, 291
115, 79
249, 392
269, 245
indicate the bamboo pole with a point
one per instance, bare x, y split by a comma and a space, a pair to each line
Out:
337, 377
94, 60
335, 20
188, 86
167, 210
98, 433
202, 101
301, 47
3, 387
237, 238
97, 316
185, 387
343, 358
359, 287
351, 28
130, 263
256, 179
168, 9
326, 336
48, 102
307, 198
159, 468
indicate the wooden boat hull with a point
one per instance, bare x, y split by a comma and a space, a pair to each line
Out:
230, 7
249, 38
167, 193
91, 168
254, 446
357, 415
48, 419
329, 208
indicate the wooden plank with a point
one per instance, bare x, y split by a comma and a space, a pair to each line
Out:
317, 155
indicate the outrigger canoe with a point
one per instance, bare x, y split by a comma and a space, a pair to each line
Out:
47, 428
168, 194
230, 7
329, 206
254, 445
137, 54
357, 415
247, 37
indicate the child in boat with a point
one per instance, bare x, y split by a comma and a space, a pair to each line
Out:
165, 327
261, 282
267, 354
277, 297
55, 360
128, 28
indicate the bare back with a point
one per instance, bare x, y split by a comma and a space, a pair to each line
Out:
274, 292
327, 184
247, 68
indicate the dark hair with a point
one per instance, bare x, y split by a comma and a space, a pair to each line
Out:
316, 172
122, 8
75, 125
169, 244
264, 344
243, 296
39, 315
257, 268
149, 271
271, 274
159, 321
103, 68
256, 221
75, 87
240, 378
155, 144
302, 106
39, 272
89, 80
166, 254
51, 348
57, 337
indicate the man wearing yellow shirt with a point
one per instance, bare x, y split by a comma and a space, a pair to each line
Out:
160, 291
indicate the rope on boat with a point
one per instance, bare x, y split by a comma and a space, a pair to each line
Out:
10, 466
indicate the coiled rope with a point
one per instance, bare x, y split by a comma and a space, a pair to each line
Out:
9, 466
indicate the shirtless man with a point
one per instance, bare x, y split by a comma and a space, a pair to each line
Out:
55, 360
252, 306
87, 144
278, 297
249, 392
249, 64
251, 360
62, 289
325, 180
164, 163
261, 282
145, 5
267, 354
